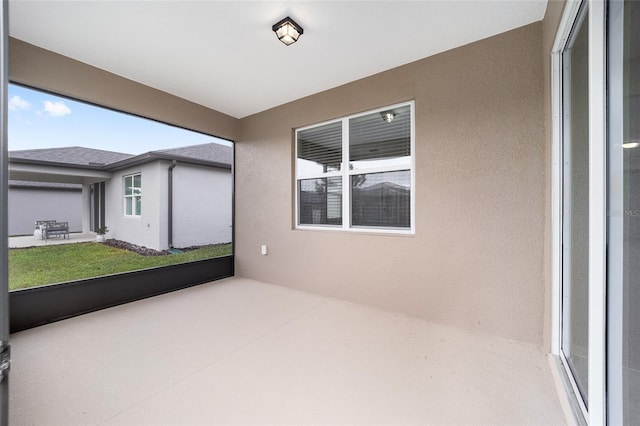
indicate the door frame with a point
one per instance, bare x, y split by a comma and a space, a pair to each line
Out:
4, 231
597, 412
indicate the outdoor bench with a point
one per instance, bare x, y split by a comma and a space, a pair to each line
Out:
43, 223
51, 228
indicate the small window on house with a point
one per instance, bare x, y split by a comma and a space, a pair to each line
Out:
133, 195
356, 173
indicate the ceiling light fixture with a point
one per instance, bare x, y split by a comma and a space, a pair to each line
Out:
388, 116
631, 144
287, 31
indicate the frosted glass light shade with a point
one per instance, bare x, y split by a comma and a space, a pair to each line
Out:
287, 31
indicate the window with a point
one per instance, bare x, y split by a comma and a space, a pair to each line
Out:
357, 173
133, 195
581, 200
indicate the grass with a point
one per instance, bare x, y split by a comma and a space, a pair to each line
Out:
36, 266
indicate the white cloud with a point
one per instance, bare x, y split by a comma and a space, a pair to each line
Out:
16, 103
56, 109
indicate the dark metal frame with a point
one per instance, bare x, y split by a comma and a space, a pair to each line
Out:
36, 306
4, 231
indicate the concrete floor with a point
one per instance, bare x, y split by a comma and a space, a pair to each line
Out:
30, 241
239, 351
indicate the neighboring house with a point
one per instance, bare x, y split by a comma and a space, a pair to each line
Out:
169, 198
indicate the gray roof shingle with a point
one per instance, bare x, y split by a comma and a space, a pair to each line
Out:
73, 155
81, 156
209, 152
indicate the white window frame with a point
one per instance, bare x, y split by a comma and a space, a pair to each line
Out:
132, 196
346, 174
597, 411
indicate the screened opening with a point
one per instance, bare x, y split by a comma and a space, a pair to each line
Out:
157, 194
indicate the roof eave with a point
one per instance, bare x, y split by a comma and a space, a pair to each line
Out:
99, 167
153, 156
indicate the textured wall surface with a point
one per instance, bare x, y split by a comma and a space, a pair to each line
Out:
150, 228
476, 260
28, 205
201, 205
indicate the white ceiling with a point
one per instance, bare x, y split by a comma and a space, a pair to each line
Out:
223, 54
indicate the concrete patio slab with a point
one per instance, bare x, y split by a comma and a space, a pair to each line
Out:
30, 240
238, 351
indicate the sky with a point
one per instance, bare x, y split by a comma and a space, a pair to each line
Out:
40, 120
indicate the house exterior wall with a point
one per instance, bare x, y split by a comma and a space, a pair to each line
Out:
201, 205
26, 205
149, 229
477, 257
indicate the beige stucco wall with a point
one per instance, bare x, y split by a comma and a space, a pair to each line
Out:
477, 258
42, 69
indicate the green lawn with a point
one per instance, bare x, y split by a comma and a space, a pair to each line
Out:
37, 266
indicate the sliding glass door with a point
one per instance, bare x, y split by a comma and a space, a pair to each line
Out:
623, 281
597, 144
575, 201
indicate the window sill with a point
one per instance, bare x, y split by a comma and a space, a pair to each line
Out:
363, 231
